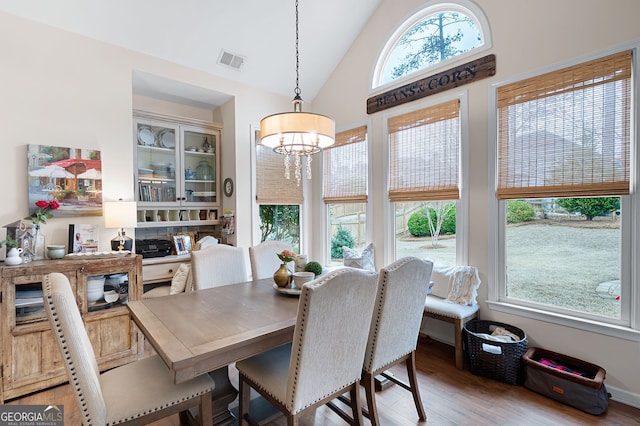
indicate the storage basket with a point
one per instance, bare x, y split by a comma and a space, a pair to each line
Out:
496, 360
571, 381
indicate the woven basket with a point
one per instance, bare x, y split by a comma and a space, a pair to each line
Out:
500, 361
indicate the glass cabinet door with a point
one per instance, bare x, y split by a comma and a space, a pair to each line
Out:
200, 166
157, 162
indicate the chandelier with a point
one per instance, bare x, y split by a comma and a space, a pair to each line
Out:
297, 134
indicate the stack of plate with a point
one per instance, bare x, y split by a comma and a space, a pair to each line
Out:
95, 288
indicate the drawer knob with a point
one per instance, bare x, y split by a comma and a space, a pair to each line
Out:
171, 271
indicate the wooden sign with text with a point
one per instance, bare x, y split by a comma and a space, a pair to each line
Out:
445, 80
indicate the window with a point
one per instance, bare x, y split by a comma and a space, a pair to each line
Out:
436, 34
424, 181
346, 176
563, 179
278, 199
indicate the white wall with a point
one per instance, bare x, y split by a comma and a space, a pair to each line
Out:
527, 35
62, 89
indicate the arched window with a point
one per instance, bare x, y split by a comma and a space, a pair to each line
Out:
437, 34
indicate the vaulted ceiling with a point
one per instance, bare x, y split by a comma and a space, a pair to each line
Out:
194, 33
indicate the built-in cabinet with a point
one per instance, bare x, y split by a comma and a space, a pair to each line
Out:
177, 170
31, 360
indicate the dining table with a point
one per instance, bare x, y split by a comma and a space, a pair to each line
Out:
201, 332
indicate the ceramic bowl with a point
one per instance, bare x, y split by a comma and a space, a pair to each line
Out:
111, 296
55, 252
299, 278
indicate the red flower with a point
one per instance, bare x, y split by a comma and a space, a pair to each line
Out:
42, 212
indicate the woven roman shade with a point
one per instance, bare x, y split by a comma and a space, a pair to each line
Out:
271, 185
345, 168
566, 133
424, 154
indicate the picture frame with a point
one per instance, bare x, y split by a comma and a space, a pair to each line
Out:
83, 238
179, 244
213, 215
188, 239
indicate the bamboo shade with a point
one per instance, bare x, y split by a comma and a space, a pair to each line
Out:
345, 168
424, 152
567, 133
271, 185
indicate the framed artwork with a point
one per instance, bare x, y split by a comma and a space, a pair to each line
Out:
71, 176
201, 234
186, 241
83, 238
180, 244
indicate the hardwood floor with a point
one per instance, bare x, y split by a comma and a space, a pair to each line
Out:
450, 396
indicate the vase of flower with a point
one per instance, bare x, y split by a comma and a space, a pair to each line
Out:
282, 276
40, 215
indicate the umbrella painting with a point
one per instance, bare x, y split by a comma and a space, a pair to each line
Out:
70, 176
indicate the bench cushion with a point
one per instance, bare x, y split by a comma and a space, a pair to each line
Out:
439, 306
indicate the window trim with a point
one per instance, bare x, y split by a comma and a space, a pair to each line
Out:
628, 327
431, 7
462, 205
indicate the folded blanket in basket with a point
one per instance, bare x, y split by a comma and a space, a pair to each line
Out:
551, 363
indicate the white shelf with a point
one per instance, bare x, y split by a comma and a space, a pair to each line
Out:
167, 224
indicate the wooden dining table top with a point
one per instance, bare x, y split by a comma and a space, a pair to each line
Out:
200, 331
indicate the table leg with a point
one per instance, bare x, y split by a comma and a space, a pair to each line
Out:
223, 395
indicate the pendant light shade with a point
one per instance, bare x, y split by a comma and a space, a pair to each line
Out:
297, 133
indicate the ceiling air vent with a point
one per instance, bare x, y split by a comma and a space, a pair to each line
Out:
231, 60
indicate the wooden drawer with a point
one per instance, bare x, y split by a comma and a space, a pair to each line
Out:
159, 272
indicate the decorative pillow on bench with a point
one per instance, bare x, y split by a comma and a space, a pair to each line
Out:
462, 283
364, 260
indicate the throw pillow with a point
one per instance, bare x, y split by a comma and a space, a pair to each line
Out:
180, 279
364, 260
463, 285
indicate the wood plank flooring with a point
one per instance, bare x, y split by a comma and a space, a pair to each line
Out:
450, 396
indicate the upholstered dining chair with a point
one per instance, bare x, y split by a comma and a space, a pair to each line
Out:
395, 325
325, 357
136, 393
218, 265
264, 261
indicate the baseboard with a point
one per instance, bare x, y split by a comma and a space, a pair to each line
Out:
625, 397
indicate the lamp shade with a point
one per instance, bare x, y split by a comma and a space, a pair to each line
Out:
120, 214
297, 131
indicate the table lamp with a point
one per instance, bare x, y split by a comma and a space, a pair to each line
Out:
120, 214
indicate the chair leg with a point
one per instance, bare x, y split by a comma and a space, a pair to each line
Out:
206, 410
356, 407
368, 381
459, 350
243, 401
413, 382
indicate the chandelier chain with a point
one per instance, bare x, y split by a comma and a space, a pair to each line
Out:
297, 90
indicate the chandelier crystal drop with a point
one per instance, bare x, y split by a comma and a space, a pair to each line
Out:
298, 134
